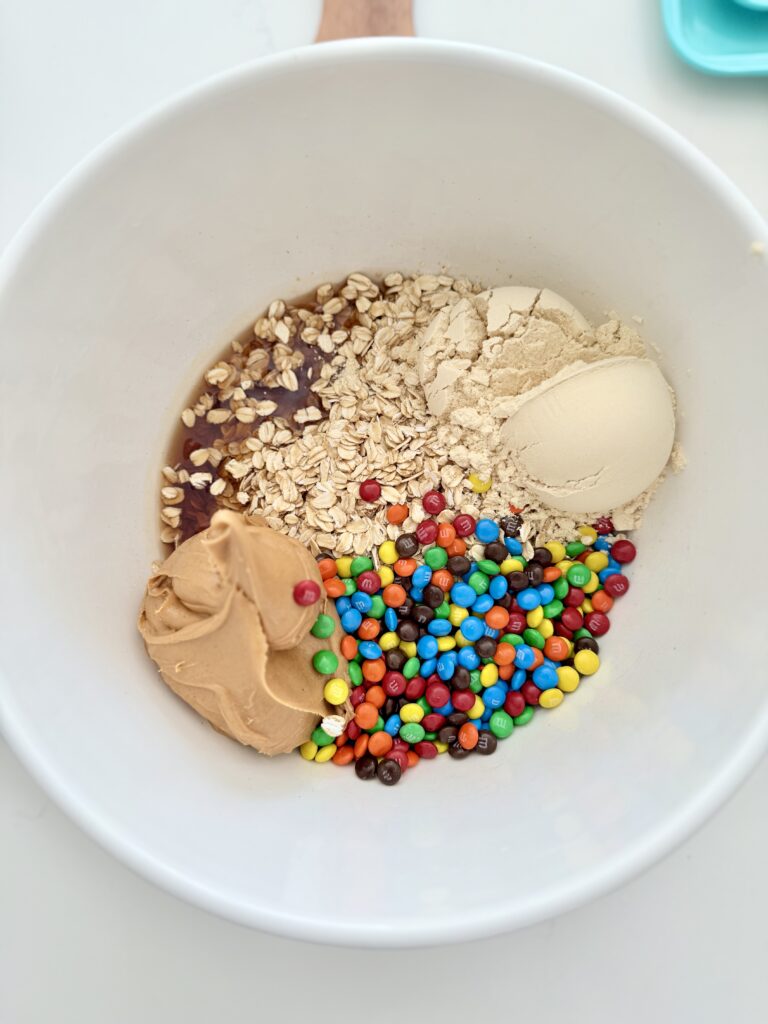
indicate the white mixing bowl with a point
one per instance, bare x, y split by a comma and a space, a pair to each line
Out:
131, 278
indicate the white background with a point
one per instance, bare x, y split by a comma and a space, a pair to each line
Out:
81, 938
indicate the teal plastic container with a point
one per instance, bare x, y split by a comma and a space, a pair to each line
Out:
722, 37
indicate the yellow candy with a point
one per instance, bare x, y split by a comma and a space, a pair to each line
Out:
457, 615
479, 486
411, 713
489, 674
308, 750
446, 643
551, 698
591, 586
568, 679
535, 617
461, 641
511, 565
587, 535
389, 641
388, 552
441, 747
586, 606
326, 753
408, 649
477, 709
586, 663
596, 561
556, 549
336, 691
344, 567
385, 575
546, 628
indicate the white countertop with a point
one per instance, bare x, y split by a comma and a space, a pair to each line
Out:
81, 938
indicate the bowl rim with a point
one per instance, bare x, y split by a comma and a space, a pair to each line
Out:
508, 914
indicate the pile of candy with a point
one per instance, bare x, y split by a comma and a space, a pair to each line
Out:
450, 655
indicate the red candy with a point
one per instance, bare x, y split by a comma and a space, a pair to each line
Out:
437, 695
464, 525
433, 502
396, 754
517, 623
370, 490
353, 731
394, 684
358, 695
561, 630
463, 700
603, 525
574, 597
514, 703
530, 692
623, 551
306, 592
616, 585
415, 688
433, 721
572, 618
426, 532
597, 623
369, 582
425, 749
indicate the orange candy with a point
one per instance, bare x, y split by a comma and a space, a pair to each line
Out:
413, 758
327, 567
443, 579
393, 595
468, 736
376, 696
538, 657
366, 716
368, 629
397, 514
334, 587
341, 740
380, 744
556, 648
505, 654
373, 671
497, 618
446, 534
551, 573
601, 601
344, 755
349, 647
456, 547
361, 745
506, 671
404, 567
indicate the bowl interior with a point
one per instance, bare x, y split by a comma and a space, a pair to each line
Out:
376, 156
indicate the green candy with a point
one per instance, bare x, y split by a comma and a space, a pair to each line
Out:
580, 633
479, 582
574, 549
377, 609
561, 588
325, 662
511, 638
553, 609
436, 558
350, 588
430, 735
376, 728
579, 574
424, 704
321, 737
534, 638
323, 627
411, 668
360, 564
525, 716
474, 681
501, 724
355, 673
489, 567
412, 732
443, 610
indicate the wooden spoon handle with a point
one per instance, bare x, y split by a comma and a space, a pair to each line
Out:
348, 19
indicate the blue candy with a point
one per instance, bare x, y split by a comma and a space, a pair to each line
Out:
498, 587
487, 531
390, 619
519, 676
483, 603
392, 725
545, 677
445, 710
472, 629
529, 599
445, 666
462, 595
343, 604
369, 650
601, 544
524, 656
605, 573
469, 658
546, 593
513, 545
350, 620
416, 593
421, 576
427, 647
428, 667
440, 627
493, 696
361, 601
491, 632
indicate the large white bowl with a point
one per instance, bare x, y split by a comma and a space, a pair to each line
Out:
132, 277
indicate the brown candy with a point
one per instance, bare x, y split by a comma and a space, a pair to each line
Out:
407, 544
486, 742
389, 772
